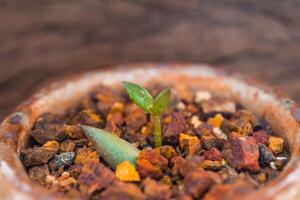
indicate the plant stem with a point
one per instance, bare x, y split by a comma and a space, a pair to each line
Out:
157, 131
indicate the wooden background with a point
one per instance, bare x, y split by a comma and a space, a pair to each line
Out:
41, 41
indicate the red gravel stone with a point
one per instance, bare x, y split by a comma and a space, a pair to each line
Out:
260, 137
172, 129
213, 154
196, 183
94, 176
241, 152
156, 190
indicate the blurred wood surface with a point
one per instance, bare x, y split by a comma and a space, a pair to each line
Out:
42, 41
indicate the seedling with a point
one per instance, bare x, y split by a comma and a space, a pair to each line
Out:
142, 98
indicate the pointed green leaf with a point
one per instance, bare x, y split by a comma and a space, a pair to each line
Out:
140, 96
111, 148
161, 102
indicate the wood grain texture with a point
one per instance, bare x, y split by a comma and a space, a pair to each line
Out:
42, 41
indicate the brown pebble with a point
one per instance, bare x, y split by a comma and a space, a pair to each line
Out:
39, 173
84, 155
40, 155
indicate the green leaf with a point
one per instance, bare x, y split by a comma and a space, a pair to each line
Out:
140, 96
161, 102
111, 148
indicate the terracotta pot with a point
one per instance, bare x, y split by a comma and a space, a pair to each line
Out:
278, 110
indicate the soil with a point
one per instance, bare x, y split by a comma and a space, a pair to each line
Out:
213, 148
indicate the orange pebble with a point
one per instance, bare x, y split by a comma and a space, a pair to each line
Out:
216, 121
191, 142
125, 171
275, 144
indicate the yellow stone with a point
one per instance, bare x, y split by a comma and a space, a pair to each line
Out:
51, 145
262, 177
167, 120
191, 142
275, 144
216, 121
145, 131
92, 115
126, 172
212, 165
85, 155
118, 107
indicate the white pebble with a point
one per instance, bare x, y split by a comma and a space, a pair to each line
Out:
281, 158
273, 166
181, 106
195, 121
202, 96
219, 133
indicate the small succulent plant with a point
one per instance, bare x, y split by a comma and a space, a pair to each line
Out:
155, 106
113, 149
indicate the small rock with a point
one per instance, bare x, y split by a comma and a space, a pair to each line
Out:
275, 144
183, 166
181, 106
84, 155
87, 117
156, 190
151, 163
167, 151
212, 165
65, 159
73, 131
45, 120
265, 155
262, 177
281, 161
190, 144
195, 121
241, 152
197, 183
219, 134
146, 169
39, 173
51, 180
204, 130
239, 125
118, 107
126, 172
94, 176
114, 120
65, 181
216, 121
145, 131
273, 166
74, 170
213, 154
124, 191
67, 146
192, 109
52, 132
40, 155
210, 141
260, 137
173, 128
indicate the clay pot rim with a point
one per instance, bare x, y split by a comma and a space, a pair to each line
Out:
286, 178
